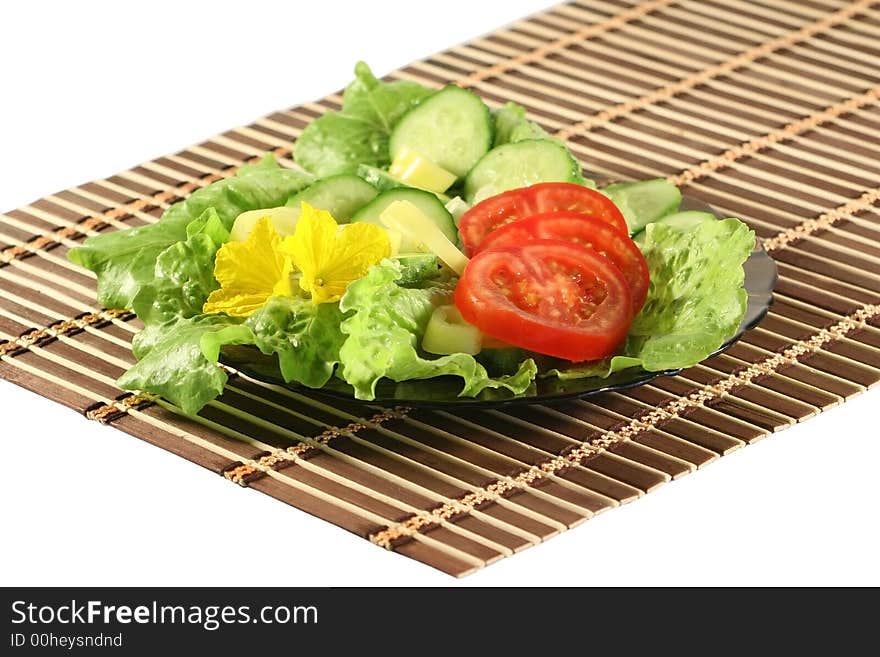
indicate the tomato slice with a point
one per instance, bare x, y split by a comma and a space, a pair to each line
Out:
584, 230
517, 204
550, 296
490, 214
550, 197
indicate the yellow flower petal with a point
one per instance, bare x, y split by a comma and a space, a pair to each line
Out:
330, 259
250, 272
311, 243
358, 247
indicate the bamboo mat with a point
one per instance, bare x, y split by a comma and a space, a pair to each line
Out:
766, 110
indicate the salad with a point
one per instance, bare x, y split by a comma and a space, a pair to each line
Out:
423, 235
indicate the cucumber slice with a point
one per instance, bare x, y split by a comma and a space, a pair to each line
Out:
378, 178
643, 202
452, 128
426, 202
417, 267
521, 164
341, 196
448, 333
683, 221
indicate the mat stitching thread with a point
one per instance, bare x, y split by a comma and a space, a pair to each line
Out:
823, 222
243, 473
106, 413
589, 449
670, 90
97, 221
41, 242
59, 328
728, 157
586, 32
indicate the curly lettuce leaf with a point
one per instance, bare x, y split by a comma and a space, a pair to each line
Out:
125, 260
696, 299
306, 336
600, 368
264, 184
183, 274
695, 302
338, 142
384, 331
178, 359
181, 364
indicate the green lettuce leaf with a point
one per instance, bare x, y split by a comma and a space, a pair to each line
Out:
512, 125
600, 368
181, 364
695, 302
264, 184
306, 337
337, 142
380, 103
696, 299
183, 275
125, 260
384, 331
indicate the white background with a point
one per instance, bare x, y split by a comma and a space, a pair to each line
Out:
91, 88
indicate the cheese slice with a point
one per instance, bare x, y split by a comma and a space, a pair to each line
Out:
417, 170
283, 221
412, 223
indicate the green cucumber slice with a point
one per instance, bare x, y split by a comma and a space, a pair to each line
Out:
644, 202
341, 196
378, 178
427, 202
452, 128
521, 164
417, 267
448, 333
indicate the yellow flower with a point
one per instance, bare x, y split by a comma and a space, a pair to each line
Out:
330, 259
250, 273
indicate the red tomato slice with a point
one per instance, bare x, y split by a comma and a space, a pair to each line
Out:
490, 214
550, 197
549, 296
586, 231
517, 204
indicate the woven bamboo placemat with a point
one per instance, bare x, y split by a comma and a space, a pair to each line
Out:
766, 110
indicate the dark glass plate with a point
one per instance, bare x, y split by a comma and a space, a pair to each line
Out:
760, 279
